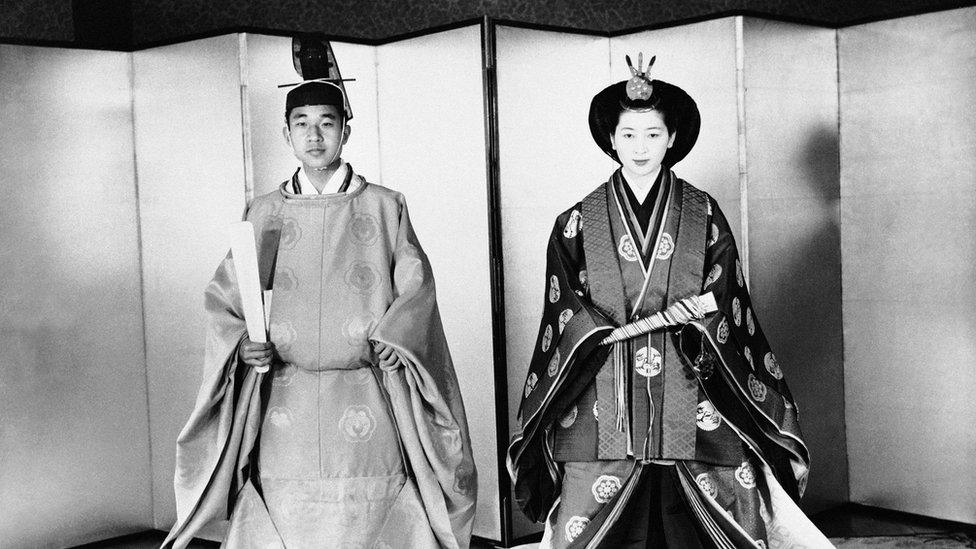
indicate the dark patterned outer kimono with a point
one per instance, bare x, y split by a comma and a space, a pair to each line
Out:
328, 450
699, 414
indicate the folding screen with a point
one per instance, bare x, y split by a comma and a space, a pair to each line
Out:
432, 149
74, 451
793, 203
908, 189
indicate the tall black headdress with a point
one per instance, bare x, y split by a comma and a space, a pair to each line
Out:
321, 84
640, 93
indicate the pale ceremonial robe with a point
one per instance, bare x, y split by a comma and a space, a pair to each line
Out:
328, 450
708, 407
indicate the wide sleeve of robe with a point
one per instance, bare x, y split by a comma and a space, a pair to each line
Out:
424, 394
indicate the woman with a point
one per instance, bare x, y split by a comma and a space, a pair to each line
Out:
685, 437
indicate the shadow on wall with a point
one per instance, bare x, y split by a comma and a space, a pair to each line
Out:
796, 275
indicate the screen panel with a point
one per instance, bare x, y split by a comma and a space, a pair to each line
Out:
74, 436
547, 163
432, 149
188, 138
269, 64
908, 188
793, 205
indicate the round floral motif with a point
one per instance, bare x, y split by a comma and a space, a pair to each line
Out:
290, 234
748, 352
707, 486
757, 388
722, 332
575, 526
547, 338
569, 418
280, 417
626, 248
465, 478
564, 319
283, 374
713, 275
357, 423
553, 289
596, 410
572, 226
285, 280
648, 361
738, 274
553, 364
356, 329
736, 311
582, 278
362, 276
750, 322
707, 417
746, 475
665, 247
282, 334
364, 228
772, 366
605, 487
530, 383
713, 238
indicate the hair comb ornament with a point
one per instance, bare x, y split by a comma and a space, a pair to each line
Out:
639, 86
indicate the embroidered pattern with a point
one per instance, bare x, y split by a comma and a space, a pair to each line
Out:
722, 332
707, 417
772, 366
746, 475
605, 487
627, 249
572, 226
547, 338
358, 423
666, 247
553, 364
707, 486
713, 275
564, 318
530, 383
757, 388
553, 289
575, 526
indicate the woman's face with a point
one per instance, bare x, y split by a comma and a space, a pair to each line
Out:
641, 140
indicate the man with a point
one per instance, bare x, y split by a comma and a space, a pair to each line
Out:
357, 436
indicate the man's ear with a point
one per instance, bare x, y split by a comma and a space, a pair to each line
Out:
345, 133
613, 142
286, 133
671, 139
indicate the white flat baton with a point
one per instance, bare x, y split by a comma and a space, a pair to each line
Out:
682, 312
245, 256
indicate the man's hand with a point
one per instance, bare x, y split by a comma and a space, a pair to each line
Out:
386, 355
256, 355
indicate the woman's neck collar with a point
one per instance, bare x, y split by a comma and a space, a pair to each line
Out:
641, 185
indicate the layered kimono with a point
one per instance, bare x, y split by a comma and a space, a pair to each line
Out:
699, 414
327, 449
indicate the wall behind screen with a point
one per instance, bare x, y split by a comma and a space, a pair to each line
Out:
188, 137
908, 187
74, 443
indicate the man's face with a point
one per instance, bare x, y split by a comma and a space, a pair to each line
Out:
641, 141
316, 135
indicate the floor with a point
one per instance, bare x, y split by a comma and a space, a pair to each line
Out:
841, 522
